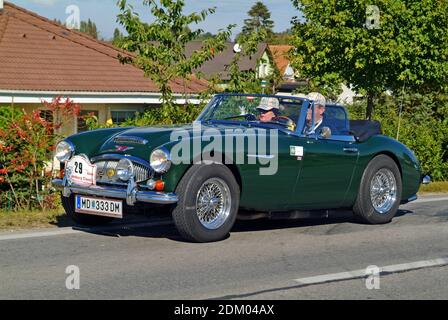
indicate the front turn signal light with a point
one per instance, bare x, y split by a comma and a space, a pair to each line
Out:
160, 185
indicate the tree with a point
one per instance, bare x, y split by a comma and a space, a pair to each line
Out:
206, 35
393, 44
280, 38
260, 19
159, 47
117, 38
117, 34
89, 27
246, 81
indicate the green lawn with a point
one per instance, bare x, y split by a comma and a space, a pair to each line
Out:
435, 187
10, 220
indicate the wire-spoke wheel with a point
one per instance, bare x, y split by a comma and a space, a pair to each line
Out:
213, 203
208, 203
383, 190
379, 194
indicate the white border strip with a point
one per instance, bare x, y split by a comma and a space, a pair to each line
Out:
355, 274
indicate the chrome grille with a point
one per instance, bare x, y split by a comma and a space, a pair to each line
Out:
141, 172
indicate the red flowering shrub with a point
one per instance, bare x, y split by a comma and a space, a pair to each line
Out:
26, 151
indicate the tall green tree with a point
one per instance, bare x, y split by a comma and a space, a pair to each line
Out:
259, 19
394, 44
159, 46
89, 27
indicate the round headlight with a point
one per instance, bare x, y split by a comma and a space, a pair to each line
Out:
125, 169
64, 151
160, 160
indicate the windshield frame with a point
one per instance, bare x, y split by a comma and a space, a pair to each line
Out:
209, 109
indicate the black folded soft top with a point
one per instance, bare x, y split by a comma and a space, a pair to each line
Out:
364, 129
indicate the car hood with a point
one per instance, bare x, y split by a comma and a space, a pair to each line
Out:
140, 141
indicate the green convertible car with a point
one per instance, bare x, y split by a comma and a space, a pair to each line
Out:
245, 156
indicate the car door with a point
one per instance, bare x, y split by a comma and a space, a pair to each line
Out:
327, 167
270, 191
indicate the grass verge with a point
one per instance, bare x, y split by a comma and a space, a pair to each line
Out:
434, 187
10, 220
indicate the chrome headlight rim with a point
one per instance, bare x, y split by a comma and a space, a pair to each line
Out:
70, 151
160, 160
125, 170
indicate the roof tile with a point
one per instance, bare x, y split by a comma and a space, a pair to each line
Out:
37, 54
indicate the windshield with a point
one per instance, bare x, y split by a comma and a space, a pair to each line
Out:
282, 111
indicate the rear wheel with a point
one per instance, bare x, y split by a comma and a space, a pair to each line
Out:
380, 191
80, 218
208, 203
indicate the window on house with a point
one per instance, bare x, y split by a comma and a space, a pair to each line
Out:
47, 115
82, 126
118, 117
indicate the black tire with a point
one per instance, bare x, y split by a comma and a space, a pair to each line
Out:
364, 208
184, 213
80, 218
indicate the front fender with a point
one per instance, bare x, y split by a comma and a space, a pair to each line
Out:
408, 164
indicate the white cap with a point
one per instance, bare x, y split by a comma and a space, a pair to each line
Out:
318, 98
267, 103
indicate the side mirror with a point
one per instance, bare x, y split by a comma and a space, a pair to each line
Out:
325, 133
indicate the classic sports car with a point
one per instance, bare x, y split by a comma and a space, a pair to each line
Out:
234, 161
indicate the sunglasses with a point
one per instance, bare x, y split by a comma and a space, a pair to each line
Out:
264, 111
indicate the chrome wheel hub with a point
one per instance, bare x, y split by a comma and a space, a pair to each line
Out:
213, 203
383, 190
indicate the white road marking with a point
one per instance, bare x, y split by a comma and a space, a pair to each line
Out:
355, 274
66, 231
432, 199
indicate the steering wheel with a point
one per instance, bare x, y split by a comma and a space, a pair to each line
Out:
251, 117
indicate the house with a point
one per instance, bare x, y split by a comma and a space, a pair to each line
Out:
41, 59
260, 62
291, 78
279, 54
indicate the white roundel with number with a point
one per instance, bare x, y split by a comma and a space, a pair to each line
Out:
80, 171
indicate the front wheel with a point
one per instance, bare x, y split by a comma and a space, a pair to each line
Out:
379, 194
208, 203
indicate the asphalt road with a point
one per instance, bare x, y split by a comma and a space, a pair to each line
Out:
264, 259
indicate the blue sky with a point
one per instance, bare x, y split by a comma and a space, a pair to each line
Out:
104, 12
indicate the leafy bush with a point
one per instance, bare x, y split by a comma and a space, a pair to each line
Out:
7, 115
423, 127
26, 148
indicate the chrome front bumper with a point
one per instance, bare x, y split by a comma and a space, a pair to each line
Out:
132, 195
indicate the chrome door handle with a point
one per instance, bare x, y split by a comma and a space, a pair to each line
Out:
351, 150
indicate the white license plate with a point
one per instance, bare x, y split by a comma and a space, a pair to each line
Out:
99, 207
81, 172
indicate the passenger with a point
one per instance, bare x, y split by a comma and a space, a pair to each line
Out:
319, 114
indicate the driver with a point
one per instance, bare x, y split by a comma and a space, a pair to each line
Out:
269, 109
270, 112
